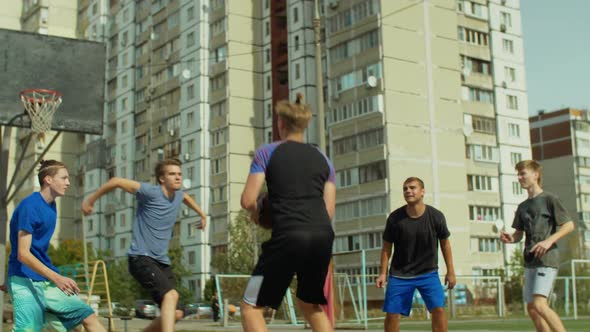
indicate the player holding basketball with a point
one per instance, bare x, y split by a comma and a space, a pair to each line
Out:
40, 295
302, 195
157, 210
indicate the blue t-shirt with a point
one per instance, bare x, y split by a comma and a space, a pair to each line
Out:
156, 215
37, 217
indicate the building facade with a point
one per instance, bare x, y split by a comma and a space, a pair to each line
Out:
561, 143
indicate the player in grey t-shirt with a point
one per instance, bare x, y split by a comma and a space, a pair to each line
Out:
157, 210
544, 220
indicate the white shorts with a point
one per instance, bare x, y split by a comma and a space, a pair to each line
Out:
538, 281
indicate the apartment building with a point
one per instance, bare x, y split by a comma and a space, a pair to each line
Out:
156, 107
55, 18
560, 140
430, 89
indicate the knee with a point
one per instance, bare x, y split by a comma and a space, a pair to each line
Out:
437, 311
391, 319
308, 308
246, 308
538, 305
90, 320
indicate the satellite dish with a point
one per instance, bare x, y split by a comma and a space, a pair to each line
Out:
371, 81
186, 183
186, 73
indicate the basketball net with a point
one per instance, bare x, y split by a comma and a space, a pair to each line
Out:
40, 105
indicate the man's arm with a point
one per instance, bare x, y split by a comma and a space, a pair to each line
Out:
542, 247
330, 198
385, 255
129, 186
25, 256
190, 202
251, 190
445, 247
512, 238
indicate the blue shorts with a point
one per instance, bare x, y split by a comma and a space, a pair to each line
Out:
400, 293
39, 303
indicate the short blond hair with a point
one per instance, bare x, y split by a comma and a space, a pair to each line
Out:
295, 115
534, 166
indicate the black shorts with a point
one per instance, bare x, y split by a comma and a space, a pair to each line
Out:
152, 275
306, 254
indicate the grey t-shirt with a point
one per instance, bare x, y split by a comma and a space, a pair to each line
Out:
539, 217
155, 218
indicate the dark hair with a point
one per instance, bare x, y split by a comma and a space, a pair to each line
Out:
415, 178
161, 166
295, 115
48, 168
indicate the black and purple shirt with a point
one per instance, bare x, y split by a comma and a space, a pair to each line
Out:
295, 177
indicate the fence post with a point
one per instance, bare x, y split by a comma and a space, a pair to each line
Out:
567, 296
574, 288
225, 312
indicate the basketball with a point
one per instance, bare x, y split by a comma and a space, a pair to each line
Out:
263, 206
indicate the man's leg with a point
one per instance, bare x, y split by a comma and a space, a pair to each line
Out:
27, 301
545, 314
391, 322
538, 321
439, 320
91, 324
252, 318
168, 314
316, 317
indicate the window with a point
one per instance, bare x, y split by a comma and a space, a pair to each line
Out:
217, 82
267, 28
506, 19
355, 46
511, 102
295, 15
516, 188
172, 20
123, 220
217, 27
513, 130
481, 183
190, 119
372, 172
373, 206
489, 245
122, 243
267, 55
508, 46
218, 137
297, 71
480, 95
484, 213
218, 165
296, 42
509, 74
190, 92
482, 152
472, 65
190, 39
268, 85
191, 229
484, 125
218, 109
515, 158
190, 13
472, 36
192, 258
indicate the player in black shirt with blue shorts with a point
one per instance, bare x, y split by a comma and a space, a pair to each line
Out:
302, 195
415, 230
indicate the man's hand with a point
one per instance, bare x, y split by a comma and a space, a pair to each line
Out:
66, 285
541, 248
381, 281
203, 223
87, 207
506, 238
450, 280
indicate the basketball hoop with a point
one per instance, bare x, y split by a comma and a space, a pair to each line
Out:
40, 105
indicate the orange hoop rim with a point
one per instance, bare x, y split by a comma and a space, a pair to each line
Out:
25, 94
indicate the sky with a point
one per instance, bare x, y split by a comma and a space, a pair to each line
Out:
557, 53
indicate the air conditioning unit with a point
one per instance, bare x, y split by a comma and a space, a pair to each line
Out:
503, 27
187, 156
185, 212
167, 56
123, 157
151, 90
108, 161
333, 4
504, 84
171, 132
123, 42
503, 2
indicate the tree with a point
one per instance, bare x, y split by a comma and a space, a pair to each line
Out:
180, 271
514, 282
242, 252
68, 252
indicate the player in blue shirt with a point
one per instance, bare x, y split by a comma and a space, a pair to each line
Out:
40, 295
302, 195
157, 210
